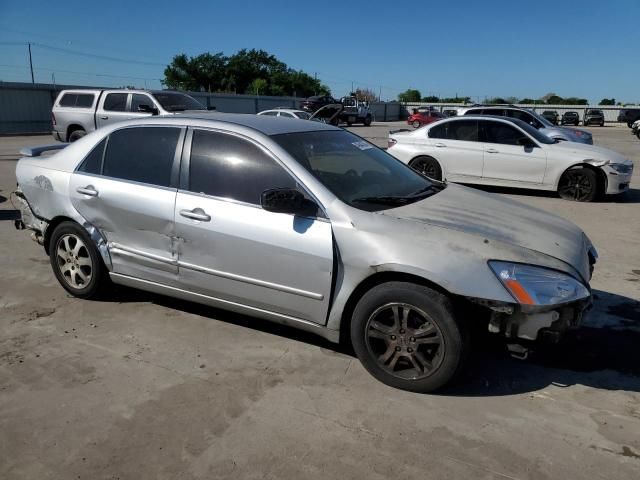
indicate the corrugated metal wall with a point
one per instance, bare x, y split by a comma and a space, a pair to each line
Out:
26, 108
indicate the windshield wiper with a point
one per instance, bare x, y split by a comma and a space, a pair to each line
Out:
399, 199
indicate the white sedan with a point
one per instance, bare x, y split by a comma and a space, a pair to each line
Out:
508, 152
287, 113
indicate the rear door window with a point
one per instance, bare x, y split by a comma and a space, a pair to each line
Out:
93, 162
142, 154
463, 130
115, 102
226, 166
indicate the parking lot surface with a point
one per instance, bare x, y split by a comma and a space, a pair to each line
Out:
146, 387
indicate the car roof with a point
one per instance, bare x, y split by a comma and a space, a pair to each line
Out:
261, 123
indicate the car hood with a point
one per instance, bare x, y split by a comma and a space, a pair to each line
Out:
496, 218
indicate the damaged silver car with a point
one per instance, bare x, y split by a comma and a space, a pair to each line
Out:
310, 226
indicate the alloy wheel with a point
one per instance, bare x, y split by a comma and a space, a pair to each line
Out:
576, 185
73, 261
405, 342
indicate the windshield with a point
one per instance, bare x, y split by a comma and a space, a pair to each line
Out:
534, 132
177, 102
357, 172
594, 112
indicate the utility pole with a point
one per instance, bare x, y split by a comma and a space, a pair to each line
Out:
31, 63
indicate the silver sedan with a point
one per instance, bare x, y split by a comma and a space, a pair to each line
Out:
310, 226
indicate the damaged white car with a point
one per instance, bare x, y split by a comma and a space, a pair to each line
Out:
508, 152
308, 225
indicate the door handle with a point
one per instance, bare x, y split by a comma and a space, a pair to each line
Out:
440, 145
88, 190
491, 150
104, 118
196, 214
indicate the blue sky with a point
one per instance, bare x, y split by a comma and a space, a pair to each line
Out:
486, 48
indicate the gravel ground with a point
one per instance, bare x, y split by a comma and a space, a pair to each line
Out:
146, 387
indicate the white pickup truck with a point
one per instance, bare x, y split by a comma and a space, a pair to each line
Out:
78, 112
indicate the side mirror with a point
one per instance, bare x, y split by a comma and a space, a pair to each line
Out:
526, 142
287, 200
144, 108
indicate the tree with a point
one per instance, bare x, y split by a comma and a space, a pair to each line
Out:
607, 101
410, 95
365, 95
431, 99
455, 100
496, 100
529, 101
246, 71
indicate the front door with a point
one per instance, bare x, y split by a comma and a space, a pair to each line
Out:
126, 188
507, 160
232, 249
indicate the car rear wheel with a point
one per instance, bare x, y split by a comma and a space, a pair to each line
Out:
416, 124
75, 261
407, 337
579, 184
427, 166
367, 121
76, 135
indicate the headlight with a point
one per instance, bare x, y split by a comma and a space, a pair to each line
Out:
531, 285
622, 167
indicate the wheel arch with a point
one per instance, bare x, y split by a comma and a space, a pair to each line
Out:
99, 241
73, 127
374, 280
600, 175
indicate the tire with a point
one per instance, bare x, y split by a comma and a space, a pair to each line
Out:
407, 336
75, 261
416, 124
367, 121
427, 166
579, 184
629, 124
76, 135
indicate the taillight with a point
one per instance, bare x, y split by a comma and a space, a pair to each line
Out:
391, 142
53, 118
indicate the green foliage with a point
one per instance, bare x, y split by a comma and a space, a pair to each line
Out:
247, 71
607, 101
456, 100
528, 101
430, 99
410, 95
496, 100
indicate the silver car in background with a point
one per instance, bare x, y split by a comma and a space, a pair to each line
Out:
537, 121
308, 225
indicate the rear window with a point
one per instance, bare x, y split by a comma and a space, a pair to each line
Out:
77, 100
594, 112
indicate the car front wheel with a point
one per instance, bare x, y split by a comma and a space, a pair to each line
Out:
416, 124
407, 337
75, 261
579, 184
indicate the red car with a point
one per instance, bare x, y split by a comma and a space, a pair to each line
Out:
424, 117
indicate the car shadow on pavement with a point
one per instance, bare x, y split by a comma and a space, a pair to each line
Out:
603, 354
630, 196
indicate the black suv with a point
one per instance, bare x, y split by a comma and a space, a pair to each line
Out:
314, 103
629, 115
570, 118
551, 115
594, 117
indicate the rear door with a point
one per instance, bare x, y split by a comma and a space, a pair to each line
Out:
126, 188
508, 161
457, 148
233, 250
112, 108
